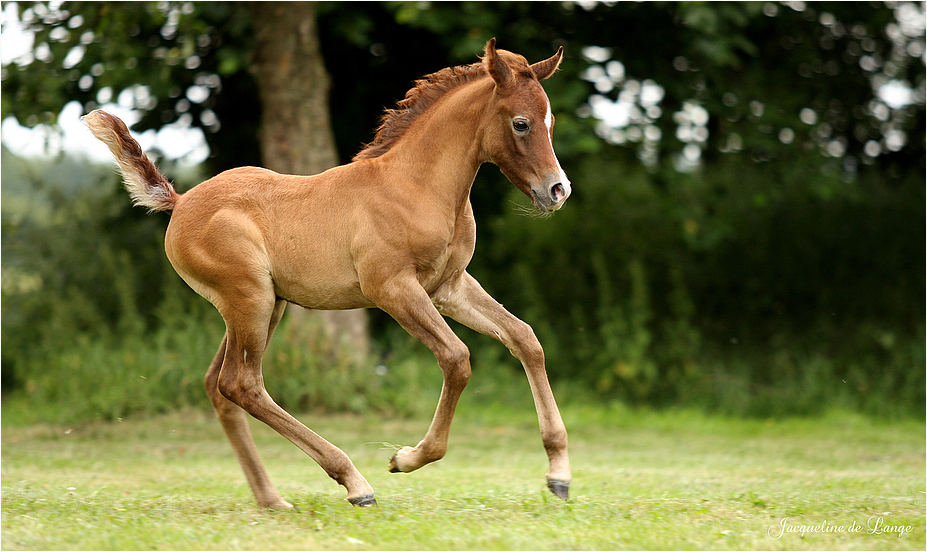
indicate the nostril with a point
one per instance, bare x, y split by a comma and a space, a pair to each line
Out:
557, 192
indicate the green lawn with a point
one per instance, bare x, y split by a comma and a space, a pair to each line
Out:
672, 480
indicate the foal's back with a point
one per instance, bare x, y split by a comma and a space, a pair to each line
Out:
293, 231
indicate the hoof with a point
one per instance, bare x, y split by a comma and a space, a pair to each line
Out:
281, 505
407, 463
364, 501
559, 488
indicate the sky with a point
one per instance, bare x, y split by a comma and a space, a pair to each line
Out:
175, 141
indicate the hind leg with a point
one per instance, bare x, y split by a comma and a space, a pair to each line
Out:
249, 312
234, 422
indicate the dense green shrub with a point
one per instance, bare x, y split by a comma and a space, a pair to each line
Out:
747, 289
649, 288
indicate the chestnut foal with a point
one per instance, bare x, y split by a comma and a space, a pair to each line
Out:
393, 229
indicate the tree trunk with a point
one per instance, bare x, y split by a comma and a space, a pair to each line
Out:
296, 135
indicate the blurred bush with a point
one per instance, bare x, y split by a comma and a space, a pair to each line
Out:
674, 288
652, 292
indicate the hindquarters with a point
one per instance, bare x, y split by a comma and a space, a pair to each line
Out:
221, 255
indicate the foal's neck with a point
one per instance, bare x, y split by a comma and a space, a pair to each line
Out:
442, 151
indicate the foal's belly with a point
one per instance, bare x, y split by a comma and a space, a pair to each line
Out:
319, 287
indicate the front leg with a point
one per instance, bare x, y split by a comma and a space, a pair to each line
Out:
467, 302
406, 301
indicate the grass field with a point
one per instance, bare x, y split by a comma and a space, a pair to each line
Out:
642, 480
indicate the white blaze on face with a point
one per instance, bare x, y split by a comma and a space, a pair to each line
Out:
548, 122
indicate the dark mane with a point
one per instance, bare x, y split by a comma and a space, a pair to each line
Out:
419, 98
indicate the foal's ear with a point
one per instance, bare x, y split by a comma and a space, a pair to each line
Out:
495, 66
544, 69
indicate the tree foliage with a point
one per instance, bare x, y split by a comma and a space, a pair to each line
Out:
747, 224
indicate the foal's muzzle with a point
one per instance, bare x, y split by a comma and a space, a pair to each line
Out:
552, 193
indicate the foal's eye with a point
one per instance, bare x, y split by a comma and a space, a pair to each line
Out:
520, 125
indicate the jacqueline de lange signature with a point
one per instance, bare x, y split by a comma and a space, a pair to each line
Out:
875, 525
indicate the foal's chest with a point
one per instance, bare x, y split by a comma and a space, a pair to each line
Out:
441, 258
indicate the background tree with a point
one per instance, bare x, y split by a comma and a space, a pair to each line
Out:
94, 51
296, 135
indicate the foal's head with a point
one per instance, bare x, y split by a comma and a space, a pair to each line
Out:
518, 132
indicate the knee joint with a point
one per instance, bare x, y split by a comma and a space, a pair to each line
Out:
526, 346
456, 365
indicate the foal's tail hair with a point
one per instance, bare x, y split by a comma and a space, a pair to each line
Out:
145, 184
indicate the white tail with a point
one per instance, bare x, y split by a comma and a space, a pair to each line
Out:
145, 184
